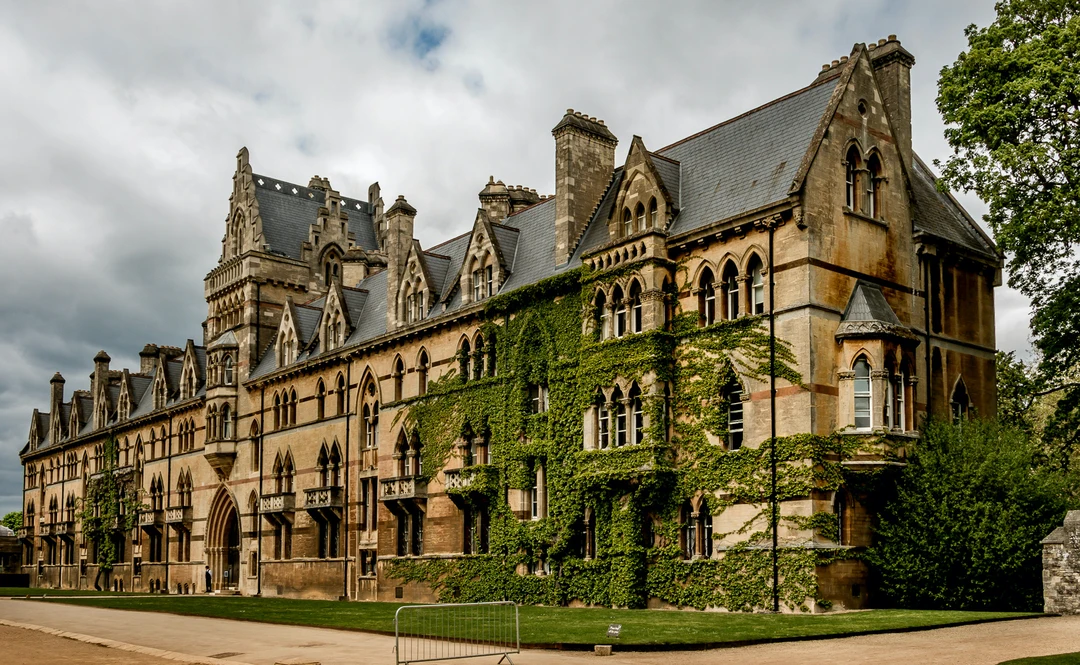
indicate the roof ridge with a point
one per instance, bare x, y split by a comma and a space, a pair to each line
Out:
664, 157
816, 83
538, 203
447, 242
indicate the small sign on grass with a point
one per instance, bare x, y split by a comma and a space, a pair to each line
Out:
614, 630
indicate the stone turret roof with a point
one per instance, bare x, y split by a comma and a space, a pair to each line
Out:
868, 314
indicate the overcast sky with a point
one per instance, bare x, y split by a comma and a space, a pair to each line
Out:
120, 122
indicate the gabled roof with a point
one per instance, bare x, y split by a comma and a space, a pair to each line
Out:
747, 162
289, 210
938, 214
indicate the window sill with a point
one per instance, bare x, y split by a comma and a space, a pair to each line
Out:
848, 212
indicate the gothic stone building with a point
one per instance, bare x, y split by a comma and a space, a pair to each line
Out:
557, 405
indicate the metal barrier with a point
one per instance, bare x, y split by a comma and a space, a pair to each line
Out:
457, 630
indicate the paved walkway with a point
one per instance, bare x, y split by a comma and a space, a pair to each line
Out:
266, 644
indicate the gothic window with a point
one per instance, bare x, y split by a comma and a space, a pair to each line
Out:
478, 360
277, 411
369, 431
620, 417
900, 406
757, 286
706, 298
399, 377
477, 285
228, 367
689, 532
640, 218
851, 178
489, 280
322, 465
627, 223
537, 398
492, 355
422, 373
340, 394
464, 356
603, 422
476, 522
292, 406
601, 315
863, 396
620, 311
873, 186
401, 456
731, 291
320, 400
654, 214
334, 469
959, 403
735, 417
637, 415
635, 307
211, 423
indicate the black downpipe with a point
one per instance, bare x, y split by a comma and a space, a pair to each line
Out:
774, 516
258, 512
929, 369
345, 517
168, 472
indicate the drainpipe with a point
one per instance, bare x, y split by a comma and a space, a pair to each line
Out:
773, 506
258, 511
168, 473
926, 323
345, 500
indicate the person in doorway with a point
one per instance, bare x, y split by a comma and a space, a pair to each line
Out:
209, 580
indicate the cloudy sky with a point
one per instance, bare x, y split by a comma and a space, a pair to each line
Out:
120, 122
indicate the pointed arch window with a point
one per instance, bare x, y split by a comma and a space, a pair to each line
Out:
735, 417
852, 164
339, 394
635, 307
464, 356
731, 292
863, 395
226, 422
627, 223
654, 214
757, 286
706, 298
603, 423
637, 416
620, 311
478, 358
399, 378
320, 400
960, 403
277, 411
620, 417
640, 218
873, 186
601, 315
227, 365
292, 406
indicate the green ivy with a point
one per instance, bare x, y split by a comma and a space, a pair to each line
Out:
110, 507
539, 340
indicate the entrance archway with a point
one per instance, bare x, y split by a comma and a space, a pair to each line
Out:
223, 542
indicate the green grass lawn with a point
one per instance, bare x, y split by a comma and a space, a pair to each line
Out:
560, 625
33, 591
1059, 659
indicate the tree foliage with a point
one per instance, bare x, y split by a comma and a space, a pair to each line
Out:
1046, 407
1012, 106
12, 520
964, 527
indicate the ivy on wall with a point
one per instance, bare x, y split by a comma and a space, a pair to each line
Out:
110, 507
632, 490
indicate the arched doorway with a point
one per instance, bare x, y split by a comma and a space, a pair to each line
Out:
223, 542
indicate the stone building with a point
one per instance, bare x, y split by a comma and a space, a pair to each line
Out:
1061, 567
517, 411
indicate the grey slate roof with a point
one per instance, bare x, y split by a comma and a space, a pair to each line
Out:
596, 233
287, 217
455, 249
867, 303
438, 267
506, 239
307, 320
747, 162
671, 174
939, 215
534, 255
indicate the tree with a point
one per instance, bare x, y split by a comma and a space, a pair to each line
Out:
964, 528
1011, 103
1046, 407
12, 520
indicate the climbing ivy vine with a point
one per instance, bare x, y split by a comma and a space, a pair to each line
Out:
539, 340
110, 508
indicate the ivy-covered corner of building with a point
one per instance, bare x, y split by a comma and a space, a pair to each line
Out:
110, 508
635, 492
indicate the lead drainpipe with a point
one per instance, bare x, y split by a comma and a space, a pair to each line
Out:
774, 516
258, 508
168, 472
926, 322
348, 446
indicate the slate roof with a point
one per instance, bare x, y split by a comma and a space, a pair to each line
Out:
671, 175
867, 303
747, 162
938, 214
288, 216
596, 233
506, 239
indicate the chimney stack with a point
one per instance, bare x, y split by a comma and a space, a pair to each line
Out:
56, 399
495, 200
584, 162
892, 68
399, 237
100, 385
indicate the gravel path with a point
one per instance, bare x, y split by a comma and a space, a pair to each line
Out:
265, 644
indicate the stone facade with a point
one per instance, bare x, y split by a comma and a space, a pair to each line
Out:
1061, 567
276, 451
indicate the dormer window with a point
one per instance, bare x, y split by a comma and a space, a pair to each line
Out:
640, 218
489, 279
627, 223
477, 285
654, 214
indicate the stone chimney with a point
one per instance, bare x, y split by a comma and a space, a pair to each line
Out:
56, 398
100, 384
495, 200
892, 67
399, 237
148, 359
584, 161
374, 197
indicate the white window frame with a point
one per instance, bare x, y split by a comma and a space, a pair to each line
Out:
868, 395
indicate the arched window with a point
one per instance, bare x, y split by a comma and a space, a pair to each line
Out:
960, 403
620, 417
228, 366
416, 450
654, 214
401, 456
601, 314
287, 473
900, 403
464, 356
492, 355
340, 394
399, 377
323, 466
226, 422
627, 223
277, 411
320, 400
292, 406
873, 186
637, 416
731, 292
335, 466
478, 358
640, 218
279, 475
863, 396
689, 531
735, 416
757, 286
603, 422
851, 178
635, 307
706, 298
620, 311
422, 373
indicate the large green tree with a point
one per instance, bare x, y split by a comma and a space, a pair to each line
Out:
12, 520
963, 529
1011, 103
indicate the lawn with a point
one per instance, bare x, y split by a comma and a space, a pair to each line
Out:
1059, 659
565, 626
